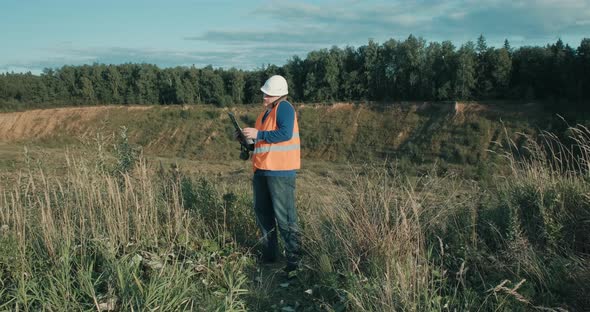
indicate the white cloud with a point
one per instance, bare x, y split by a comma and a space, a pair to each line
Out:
458, 15
19, 69
118, 55
353, 22
298, 27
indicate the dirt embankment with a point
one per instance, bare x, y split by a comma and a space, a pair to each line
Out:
342, 131
41, 123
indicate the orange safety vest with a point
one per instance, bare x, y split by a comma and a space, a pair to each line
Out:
276, 156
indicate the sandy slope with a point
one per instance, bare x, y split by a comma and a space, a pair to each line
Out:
40, 123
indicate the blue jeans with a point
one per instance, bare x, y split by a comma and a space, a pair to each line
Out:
274, 204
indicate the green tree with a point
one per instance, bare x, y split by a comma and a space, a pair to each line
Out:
583, 68
465, 78
51, 82
310, 91
114, 83
391, 68
145, 84
322, 75
333, 66
166, 84
507, 46
428, 83
40, 92
373, 70
530, 73
559, 71
235, 84
295, 76
67, 76
212, 87
354, 83
190, 83
483, 69
86, 90
254, 81
501, 68
444, 68
99, 83
409, 58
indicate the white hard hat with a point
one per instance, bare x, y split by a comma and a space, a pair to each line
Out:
275, 86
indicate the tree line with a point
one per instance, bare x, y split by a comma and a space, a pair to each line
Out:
411, 69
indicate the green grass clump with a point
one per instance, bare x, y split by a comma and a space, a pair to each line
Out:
112, 240
388, 241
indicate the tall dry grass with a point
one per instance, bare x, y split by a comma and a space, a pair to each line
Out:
374, 240
390, 242
545, 216
139, 238
95, 240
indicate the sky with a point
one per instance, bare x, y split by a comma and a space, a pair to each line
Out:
38, 34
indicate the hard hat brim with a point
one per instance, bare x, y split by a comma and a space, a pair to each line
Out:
270, 93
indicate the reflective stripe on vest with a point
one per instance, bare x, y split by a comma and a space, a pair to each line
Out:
276, 156
276, 148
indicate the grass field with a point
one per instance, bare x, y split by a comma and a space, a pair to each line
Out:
88, 223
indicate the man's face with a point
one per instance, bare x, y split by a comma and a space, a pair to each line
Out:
267, 100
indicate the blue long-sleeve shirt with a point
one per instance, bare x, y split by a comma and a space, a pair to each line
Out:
284, 132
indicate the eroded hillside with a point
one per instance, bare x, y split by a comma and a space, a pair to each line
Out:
455, 132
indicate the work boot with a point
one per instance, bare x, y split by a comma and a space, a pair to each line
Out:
266, 257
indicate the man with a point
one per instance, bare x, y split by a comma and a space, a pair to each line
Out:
275, 159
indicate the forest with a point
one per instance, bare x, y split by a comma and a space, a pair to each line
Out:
409, 70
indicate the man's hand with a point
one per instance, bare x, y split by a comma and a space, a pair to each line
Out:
250, 133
